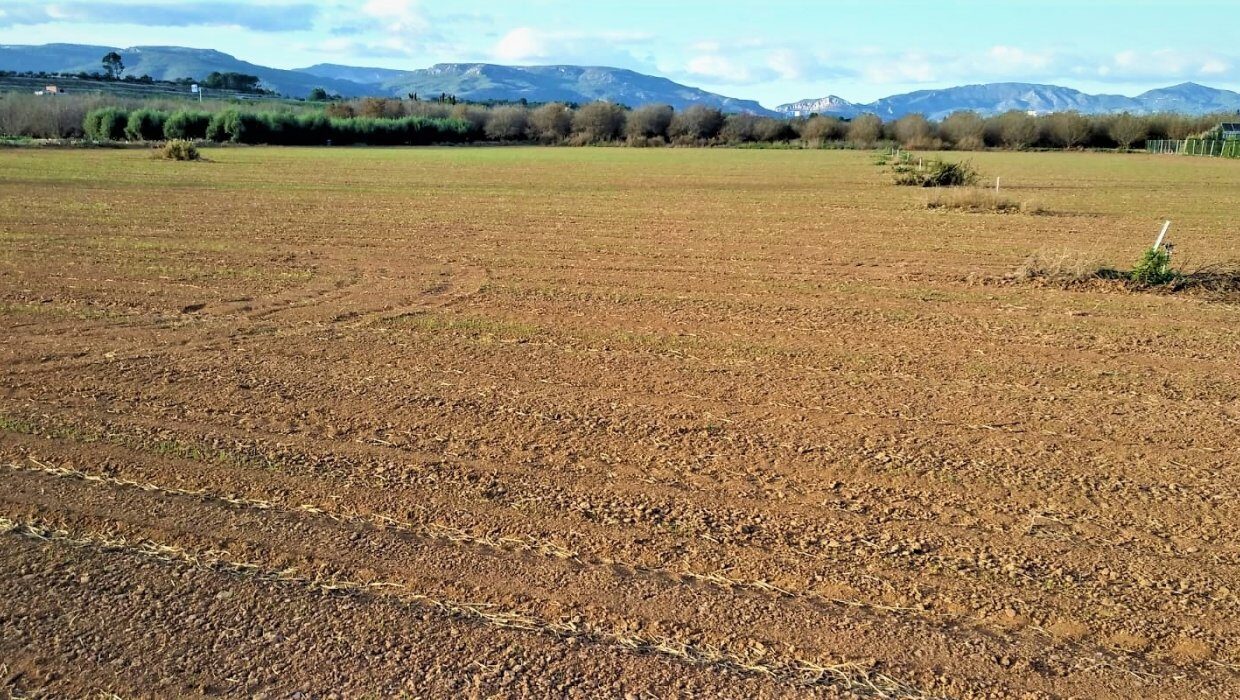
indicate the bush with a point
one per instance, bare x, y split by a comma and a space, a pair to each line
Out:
507, 124
179, 149
106, 124
649, 122
1153, 268
816, 131
981, 200
965, 130
1062, 268
696, 124
187, 125
551, 123
937, 173
145, 125
865, 130
598, 122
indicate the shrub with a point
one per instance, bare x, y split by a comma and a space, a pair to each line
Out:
981, 200
145, 125
696, 124
771, 130
597, 122
1066, 129
106, 124
224, 126
816, 131
865, 130
1126, 130
179, 149
1153, 268
1062, 268
507, 124
965, 130
551, 123
187, 125
649, 122
914, 131
937, 173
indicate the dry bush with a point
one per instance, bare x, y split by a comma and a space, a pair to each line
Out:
648, 122
178, 149
551, 123
598, 122
507, 123
695, 125
1064, 267
981, 200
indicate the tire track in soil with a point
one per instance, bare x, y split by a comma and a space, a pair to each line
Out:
416, 572
1008, 648
135, 623
891, 559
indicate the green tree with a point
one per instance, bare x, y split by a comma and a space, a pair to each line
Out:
318, 95
113, 64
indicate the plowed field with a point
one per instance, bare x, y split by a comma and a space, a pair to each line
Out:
609, 423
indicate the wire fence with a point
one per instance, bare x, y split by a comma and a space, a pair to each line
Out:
1196, 147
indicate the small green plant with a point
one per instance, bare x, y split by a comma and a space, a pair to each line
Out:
1154, 268
179, 149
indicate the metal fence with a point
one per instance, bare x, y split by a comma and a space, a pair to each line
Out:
1196, 147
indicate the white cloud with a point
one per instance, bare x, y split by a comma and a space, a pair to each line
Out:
525, 44
399, 16
522, 44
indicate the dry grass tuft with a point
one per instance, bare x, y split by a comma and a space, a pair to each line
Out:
1063, 267
981, 200
178, 149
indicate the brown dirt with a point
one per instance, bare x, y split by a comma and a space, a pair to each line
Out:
596, 424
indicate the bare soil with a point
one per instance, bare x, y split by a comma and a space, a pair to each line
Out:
605, 423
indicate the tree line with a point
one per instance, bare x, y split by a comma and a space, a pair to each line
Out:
381, 121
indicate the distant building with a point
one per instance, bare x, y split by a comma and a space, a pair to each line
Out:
1229, 131
50, 90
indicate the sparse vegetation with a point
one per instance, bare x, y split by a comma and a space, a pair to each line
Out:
1153, 268
936, 173
1062, 267
977, 199
179, 149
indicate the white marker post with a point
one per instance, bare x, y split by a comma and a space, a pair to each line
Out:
1158, 243
997, 179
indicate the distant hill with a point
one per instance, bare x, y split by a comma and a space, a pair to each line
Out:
470, 81
485, 81
995, 98
168, 63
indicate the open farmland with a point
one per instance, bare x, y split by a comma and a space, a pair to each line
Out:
597, 422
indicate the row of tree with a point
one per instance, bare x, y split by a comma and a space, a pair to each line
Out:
603, 122
700, 125
276, 128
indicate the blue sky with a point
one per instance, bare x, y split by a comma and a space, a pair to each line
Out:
771, 50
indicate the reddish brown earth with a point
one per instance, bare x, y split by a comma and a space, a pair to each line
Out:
605, 423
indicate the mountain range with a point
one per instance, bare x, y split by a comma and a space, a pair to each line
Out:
468, 81
565, 83
995, 98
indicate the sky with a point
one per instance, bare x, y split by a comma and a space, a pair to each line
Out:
774, 51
